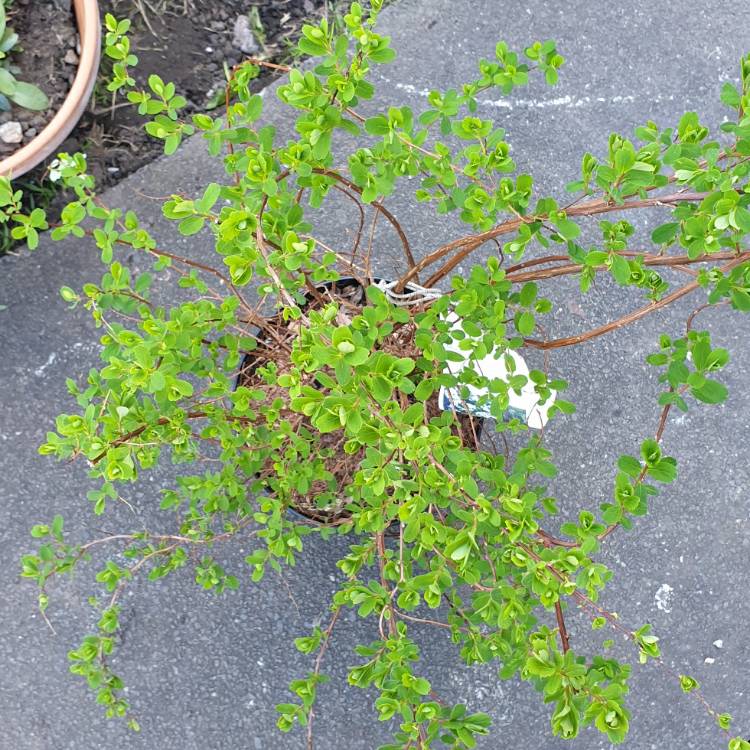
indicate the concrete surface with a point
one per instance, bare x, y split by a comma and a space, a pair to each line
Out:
205, 672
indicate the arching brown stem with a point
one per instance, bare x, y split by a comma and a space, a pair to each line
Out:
139, 430
537, 262
361, 226
630, 317
386, 213
564, 638
667, 261
466, 245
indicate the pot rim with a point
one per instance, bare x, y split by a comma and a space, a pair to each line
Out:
74, 104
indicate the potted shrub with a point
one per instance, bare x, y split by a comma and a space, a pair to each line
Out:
371, 406
46, 142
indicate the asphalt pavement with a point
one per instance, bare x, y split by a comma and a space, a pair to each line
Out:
204, 672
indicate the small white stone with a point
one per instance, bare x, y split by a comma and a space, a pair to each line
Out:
709, 660
209, 49
663, 597
10, 132
244, 39
719, 643
71, 58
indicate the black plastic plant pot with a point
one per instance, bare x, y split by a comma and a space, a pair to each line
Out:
250, 363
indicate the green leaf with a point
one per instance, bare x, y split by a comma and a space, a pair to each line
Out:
191, 225
57, 527
620, 269
423, 390
381, 388
629, 465
377, 125
156, 382
461, 551
383, 55
651, 452
567, 228
68, 294
724, 720
742, 219
740, 300
29, 96
700, 351
664, 471
8, 82
688, 684
711, 392
596, 258
528, 293
314, 41
668, 397
171, 142
665, 234
421, 686
730, 96
210, 196
328, 421
525, 323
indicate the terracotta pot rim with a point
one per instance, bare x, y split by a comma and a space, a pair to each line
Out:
74, 104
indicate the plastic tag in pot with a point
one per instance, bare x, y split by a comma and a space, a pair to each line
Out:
523, 405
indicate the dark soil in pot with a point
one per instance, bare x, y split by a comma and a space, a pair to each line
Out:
321, 504
45, 55
188, 42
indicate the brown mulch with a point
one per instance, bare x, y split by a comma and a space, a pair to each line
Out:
324, 503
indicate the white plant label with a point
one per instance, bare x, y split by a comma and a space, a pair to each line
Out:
523, 405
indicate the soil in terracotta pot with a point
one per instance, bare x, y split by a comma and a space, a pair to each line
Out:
46, 55
188, 42
324, 503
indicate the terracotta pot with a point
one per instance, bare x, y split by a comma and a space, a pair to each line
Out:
57, 130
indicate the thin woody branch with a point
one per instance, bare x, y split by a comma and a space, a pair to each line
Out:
630, 317
654, 261
466, 245
562, 629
